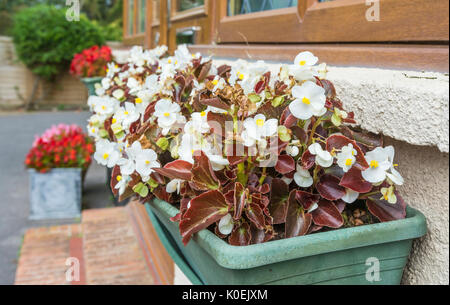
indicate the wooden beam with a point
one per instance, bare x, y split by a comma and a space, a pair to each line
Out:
389, 56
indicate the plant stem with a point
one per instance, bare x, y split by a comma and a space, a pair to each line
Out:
313, 130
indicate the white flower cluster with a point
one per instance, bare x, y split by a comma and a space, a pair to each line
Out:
144, 91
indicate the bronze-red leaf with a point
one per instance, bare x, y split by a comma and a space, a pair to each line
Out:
329, 188
204, 210
327, 214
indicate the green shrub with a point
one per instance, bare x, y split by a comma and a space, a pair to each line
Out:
46, 42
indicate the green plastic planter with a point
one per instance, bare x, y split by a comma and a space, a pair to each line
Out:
90, 82
333, 257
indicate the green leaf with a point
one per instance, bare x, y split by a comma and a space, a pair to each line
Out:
254, 98
141, 189
163, 143
277, 101
336, 120
103, 133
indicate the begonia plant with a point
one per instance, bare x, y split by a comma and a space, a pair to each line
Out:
61, 146
249, 152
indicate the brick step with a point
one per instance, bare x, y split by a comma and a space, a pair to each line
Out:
112, 245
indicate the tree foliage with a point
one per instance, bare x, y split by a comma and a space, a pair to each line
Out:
46, 42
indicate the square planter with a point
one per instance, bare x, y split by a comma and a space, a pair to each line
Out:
56, 193
333, 257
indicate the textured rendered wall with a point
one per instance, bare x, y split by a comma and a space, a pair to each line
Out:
412, 110
426, 173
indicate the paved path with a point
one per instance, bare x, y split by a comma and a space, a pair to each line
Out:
17, 131
105, 244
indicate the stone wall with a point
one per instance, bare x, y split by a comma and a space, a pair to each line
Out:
16, 82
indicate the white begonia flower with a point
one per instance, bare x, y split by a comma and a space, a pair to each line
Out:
112, 68
118, 94
146, 160
292, 150
302, 177
305, 59
141, 103
394, 175
93, 131
122, 182
379, 164
104, 106
106, 83
191, 143
174, 185
218, 162
167, 114
350, 196
126, 115
216, 110
107, 153
93, 101
226, 224
133, 85
323, 157
136, 56
200, 121
219, 83
309, 100
99, 91
346, 158
257, 129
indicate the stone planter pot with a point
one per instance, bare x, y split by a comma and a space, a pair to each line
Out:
90, 82
343, 256
56, 193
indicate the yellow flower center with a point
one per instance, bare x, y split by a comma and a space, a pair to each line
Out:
138, 100
306, 100
103, 107
126, 113
176, 62
147, 162
192, 151
166, 114
105, 156
116, 66
93, 130
374, 164
169, 61
193, 55
260, 122
215, 82
241, 76
119, 177
203, 113
348, 162
107, 70
114, 120
302, 62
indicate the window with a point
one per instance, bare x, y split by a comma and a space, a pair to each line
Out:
183, 5
237, 7
130, 18
142, 15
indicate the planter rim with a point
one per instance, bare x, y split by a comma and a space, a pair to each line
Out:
92, 79
245, 257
